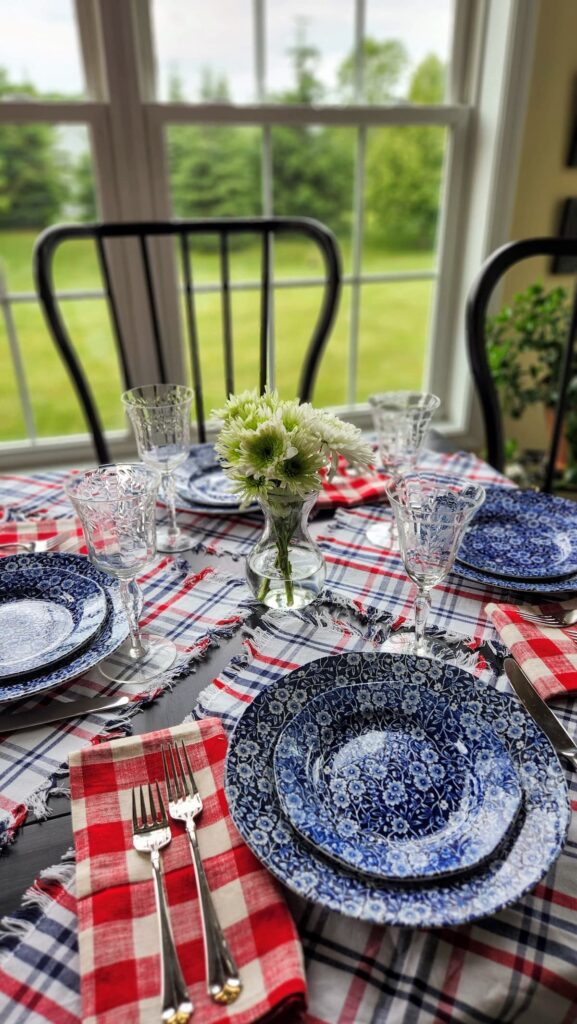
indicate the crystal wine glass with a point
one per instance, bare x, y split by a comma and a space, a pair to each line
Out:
431, 513
160, 415
117, 506
401, 420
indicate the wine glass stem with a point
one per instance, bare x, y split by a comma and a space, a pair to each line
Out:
422, 606
130, 596
168, 490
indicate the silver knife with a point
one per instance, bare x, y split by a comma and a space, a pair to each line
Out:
540, 713
57, 712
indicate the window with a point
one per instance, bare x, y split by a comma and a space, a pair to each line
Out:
361, 113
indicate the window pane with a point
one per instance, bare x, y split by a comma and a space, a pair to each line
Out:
307, 45
394, 322
313, 169
402, 196
204, 52
406, 51
40, 50
214, 171
57, 185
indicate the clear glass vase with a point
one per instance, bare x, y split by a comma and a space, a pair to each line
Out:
286, 568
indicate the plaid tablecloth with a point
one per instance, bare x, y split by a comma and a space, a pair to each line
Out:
194, 609
519, 965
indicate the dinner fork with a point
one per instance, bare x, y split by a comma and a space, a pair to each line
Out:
564, 619
185, 804
31, 546
150, 834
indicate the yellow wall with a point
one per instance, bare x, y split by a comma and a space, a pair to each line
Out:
545, 180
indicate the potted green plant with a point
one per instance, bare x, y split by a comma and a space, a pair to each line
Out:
525, 346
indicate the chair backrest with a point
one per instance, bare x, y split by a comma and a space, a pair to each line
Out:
562, 250
264, 229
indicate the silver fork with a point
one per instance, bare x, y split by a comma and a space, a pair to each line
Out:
32, 546
568, 618
185, 804
150, 834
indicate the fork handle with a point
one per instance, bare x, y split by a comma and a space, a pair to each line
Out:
176, 1003
222, 980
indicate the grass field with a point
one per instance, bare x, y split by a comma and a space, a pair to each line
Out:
392, 335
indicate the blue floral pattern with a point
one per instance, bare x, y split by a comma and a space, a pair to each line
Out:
532, 844
45, 615
522, 534
395, 783
112, 632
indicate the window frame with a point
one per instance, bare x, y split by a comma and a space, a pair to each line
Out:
487, 93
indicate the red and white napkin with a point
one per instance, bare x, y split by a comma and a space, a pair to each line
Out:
67, 534
348, 488
545, 653
118, 929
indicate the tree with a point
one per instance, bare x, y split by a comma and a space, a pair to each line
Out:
312, 166
383, 65
404, 168
32, 185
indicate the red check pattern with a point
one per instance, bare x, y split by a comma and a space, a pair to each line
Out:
115, 896
547, 654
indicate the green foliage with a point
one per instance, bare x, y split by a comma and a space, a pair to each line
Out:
32, 186
383, 65
525, 346
404, 168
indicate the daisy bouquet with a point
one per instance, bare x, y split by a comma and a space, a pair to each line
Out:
275, 451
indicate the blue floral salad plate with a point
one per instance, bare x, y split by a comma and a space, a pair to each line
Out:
522, 536
46, 614
112, 632
201, 482
532, 844
394, 782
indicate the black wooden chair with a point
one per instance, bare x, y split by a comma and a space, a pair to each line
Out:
222, 231
564, 253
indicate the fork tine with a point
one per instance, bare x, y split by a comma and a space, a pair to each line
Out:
190, 774
134, 814
167, 778
143, 813
161, 808
181, 774
153, 811
177, 778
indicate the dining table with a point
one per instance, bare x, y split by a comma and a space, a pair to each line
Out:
517, 964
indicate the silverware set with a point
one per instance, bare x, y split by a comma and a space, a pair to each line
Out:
562, 621
151, 834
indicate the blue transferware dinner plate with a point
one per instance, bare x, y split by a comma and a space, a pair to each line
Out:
113, 631
530, 848
522, 535
46, 614
393, 782
201, 482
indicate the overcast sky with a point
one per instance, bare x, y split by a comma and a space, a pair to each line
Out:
38, 39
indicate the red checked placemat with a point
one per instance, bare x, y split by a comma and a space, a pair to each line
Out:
546, 654
117, 922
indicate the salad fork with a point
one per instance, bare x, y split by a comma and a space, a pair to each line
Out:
564, 619
150, 834
185, 804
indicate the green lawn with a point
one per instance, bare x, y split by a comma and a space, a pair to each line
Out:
393, 328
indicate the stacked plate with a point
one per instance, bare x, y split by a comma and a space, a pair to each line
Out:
522, 541
59, 616
396, 790
202, 485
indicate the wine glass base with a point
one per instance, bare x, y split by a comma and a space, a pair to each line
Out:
160, 653
169, 542
383, 535
431, 646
